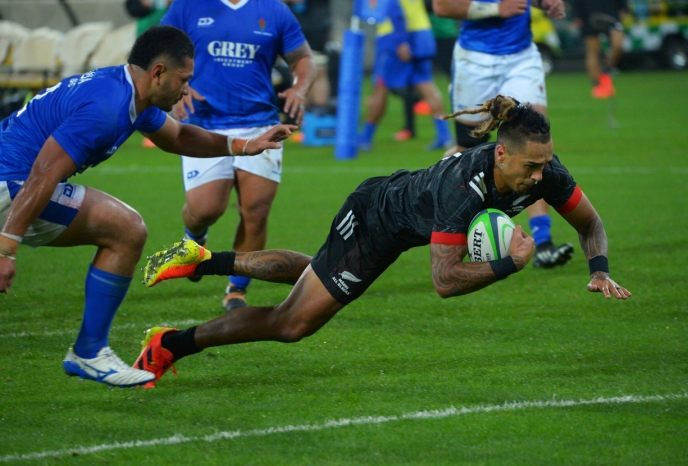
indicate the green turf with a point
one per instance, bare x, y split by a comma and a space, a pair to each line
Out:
538, 336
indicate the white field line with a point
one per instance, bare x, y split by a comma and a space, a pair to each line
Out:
113, 170
74, 331
177, 439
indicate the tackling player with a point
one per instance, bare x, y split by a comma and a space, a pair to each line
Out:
384, 217
493, 55
77, 124
237, 43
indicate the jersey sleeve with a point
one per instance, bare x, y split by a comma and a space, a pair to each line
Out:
91, 128
454, 207
150, 120
290, 31
561, 191
396, 16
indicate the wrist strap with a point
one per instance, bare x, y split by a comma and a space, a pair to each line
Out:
481, 10
230, 140
243, 152
598, 264
502, 268
16, 238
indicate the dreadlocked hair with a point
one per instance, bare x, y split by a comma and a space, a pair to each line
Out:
517, 123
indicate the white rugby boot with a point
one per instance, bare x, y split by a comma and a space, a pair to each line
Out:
105, 368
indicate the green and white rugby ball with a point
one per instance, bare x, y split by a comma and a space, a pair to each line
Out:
489, 236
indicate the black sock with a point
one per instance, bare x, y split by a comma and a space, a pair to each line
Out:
181, 343
221, 263
409, 118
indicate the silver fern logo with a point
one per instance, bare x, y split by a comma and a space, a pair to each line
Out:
349, 276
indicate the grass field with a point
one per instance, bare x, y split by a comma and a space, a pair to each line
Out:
532, 370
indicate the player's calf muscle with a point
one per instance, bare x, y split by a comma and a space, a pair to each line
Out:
278, 265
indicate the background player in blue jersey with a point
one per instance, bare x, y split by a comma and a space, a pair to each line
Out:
386, 216
237, 43
495, 54
79, 123
405, 47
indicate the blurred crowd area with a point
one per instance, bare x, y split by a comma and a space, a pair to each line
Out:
42, 41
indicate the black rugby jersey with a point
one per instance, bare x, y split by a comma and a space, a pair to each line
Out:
437, 204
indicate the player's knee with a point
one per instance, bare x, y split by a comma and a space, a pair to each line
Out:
256, 213
136, 233
464, 138
207, 214
294, 332
294, 328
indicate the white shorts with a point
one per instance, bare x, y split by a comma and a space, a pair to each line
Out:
55, 218
268, 165
477, 77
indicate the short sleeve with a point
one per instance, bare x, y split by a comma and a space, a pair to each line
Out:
91, 128
150, 120
290, 31
561, 191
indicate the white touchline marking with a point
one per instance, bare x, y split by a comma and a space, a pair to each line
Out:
177, 439
74, 331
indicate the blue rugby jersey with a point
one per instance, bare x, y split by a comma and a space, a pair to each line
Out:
236, 48
90, 116
497, 36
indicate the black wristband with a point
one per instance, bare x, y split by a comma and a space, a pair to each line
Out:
598, 264
502, 268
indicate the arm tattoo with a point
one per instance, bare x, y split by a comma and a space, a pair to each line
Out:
277, 265
297, 54
452, 277
593, 239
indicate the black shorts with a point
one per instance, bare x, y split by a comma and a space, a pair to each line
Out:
348, 263
607, 12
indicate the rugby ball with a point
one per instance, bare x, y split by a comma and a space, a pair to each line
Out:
489, 235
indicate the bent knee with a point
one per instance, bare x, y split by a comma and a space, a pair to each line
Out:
137, 232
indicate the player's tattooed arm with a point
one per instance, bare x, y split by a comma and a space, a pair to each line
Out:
277, 265
452, 277
593, 239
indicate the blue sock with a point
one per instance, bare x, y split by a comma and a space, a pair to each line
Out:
442, 128
104, 293
200, 239
239, 282
368, 132
540, 226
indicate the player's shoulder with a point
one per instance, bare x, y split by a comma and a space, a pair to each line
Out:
107, 88
475, 160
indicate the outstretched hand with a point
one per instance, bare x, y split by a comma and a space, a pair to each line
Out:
269, 140
602, 283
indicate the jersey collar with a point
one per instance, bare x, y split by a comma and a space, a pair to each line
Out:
233, 6
132, 104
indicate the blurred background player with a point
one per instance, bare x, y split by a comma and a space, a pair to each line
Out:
493, 55
404, 50
445, 31
231, 93
147, 12
596, 17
